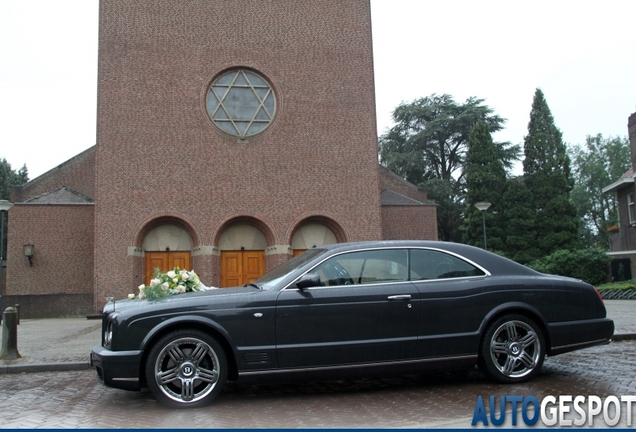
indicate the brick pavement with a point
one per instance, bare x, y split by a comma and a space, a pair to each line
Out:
75, 399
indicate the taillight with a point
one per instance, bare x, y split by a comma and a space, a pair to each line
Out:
600, 296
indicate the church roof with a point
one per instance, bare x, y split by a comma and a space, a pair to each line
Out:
390, 198
63, 195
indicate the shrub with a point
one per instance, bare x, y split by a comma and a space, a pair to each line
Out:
590, 265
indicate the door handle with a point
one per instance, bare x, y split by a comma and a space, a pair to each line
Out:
400, 297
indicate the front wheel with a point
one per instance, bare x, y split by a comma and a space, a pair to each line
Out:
512, 349
186, 369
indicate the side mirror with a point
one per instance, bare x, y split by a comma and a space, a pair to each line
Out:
308, 280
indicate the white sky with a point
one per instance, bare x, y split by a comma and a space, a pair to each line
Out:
580, 53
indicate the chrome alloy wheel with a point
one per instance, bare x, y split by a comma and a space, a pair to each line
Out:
187, 370
515, 349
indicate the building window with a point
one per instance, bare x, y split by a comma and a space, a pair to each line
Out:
241, 103
630, 208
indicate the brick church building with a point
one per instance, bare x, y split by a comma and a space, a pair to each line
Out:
231, 135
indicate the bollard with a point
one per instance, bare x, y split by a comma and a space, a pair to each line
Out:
10, 335
17, 309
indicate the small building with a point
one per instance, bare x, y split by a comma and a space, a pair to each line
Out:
623, 237
231, 136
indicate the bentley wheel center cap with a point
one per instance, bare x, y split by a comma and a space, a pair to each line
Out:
515, 349
187, 370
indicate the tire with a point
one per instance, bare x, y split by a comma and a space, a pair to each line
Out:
186, 369
512, 349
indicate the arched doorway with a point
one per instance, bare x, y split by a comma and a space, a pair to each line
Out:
166, 247
310, 235
242, 249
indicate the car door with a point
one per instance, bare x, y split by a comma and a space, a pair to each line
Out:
364, 311
451, 291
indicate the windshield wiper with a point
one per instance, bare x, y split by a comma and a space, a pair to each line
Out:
251, 284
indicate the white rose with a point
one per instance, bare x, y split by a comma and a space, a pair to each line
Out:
181, 288
142, 286
171, 274
185, 276
154, 282
131, 296
175, 280
164, 286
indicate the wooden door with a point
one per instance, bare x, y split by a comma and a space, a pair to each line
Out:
240, 267
166, 261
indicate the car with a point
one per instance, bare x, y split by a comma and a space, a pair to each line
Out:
350, 309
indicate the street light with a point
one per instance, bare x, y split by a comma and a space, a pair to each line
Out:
483, 206
4, 207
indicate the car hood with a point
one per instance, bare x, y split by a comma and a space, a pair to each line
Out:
178, 299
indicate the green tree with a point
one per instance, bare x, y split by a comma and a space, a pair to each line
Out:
9, 177
518, 221
595, 165
430, 140
547, 176
485, 181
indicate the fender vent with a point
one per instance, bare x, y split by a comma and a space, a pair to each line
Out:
256, 358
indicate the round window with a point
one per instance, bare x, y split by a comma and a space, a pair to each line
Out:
241, 103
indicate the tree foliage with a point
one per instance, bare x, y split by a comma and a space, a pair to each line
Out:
589, 265
595, 165
10, 177
429, 142
485, 181
547, 177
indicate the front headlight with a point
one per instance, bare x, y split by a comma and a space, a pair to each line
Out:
108, 335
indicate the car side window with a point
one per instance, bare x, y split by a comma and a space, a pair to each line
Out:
365, 267
431, 264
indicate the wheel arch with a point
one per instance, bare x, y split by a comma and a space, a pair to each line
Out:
521, 309
190, 322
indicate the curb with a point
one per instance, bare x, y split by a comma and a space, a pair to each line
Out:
44, 367
623, 337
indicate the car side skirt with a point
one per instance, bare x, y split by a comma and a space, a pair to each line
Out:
402, 366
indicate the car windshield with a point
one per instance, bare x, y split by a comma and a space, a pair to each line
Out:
273, 278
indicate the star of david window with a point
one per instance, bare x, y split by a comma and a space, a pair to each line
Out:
241, 103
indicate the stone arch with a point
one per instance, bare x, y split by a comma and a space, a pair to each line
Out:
168, 220
245, 221
316, 231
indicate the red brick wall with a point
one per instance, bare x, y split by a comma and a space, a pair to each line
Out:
390, 180
62, 236
158, 153
77, 173
409, 222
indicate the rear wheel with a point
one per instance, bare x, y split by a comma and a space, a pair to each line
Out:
186, 368
512, 349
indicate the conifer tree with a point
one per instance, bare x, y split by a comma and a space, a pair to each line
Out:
547, 177
485, 181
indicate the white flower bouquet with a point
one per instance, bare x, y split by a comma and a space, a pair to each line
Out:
170, 283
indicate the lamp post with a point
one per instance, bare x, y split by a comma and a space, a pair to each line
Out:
4, 207
483, 206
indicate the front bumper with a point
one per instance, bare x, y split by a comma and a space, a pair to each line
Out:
117, 369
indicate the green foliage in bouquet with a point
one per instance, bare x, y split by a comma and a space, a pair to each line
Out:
173, 282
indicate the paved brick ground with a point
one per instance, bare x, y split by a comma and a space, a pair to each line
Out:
74, 399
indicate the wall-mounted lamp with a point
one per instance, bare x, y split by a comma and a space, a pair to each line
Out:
28, 252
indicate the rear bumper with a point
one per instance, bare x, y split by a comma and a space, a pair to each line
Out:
117, 369
574, 335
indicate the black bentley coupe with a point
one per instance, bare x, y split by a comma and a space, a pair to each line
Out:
372, 307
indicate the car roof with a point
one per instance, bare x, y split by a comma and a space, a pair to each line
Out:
495, 264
